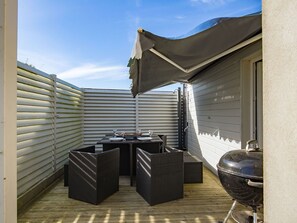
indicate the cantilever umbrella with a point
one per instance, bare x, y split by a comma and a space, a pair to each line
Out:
158, 61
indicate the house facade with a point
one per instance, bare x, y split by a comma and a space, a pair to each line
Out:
224, 105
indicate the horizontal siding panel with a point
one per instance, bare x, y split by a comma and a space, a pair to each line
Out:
33, 178
218, 126
27, 108
34, 76
30, 82
77, 98
33, 166
36, 141
227, 71
68, 128
69, 145
39, 153
32, 129
67, 111
27, 150
73, 132
220, 119
35, 115
214, 109
219, 113
67, 137
217, 88
32, 89
31, 122
118, 105
219, 106
33, 135
69, 89
68, 124
25, 101
67, 102
226, 94
66, 120
33, 96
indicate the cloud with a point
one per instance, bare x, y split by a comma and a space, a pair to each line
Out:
50, 63
94, 72
179, 17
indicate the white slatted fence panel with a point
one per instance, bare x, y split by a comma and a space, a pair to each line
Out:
49, 124
157, 111
69, 120
55, 116
35, 136
105, 110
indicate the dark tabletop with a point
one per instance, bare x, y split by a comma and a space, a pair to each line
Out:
105, 140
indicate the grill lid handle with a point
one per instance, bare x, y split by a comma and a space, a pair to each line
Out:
252, 145
254, 184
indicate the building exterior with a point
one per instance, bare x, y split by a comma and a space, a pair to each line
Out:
224, 105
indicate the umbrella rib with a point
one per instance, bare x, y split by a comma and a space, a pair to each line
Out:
168, 60
226, 52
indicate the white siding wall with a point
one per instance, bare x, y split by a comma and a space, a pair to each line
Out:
214, 109
105, 110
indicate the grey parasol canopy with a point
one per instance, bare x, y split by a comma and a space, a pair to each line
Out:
158, 61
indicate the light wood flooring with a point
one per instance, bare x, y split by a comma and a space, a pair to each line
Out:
206, 202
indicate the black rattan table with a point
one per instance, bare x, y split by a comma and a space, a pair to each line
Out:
128, 151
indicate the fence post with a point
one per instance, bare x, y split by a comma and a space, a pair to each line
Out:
185, 118
179, 107
54, 128
137, 112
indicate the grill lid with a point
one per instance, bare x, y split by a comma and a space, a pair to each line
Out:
243, 163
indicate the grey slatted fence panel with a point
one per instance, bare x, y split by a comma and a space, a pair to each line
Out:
49, 124
55, 116
69, 120
34, 128
105, 110
157, 111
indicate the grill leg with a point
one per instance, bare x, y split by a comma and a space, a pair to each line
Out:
230, 211
255, 220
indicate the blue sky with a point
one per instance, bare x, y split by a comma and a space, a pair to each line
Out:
88, 43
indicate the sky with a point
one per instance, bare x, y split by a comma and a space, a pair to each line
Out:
88, 42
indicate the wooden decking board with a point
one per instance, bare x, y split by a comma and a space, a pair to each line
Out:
206, 202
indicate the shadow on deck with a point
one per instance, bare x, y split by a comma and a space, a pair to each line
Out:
206, 202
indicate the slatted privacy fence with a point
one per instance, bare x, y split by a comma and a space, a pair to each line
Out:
106, 110
54, 117
49, 123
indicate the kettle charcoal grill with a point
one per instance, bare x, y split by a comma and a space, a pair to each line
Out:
241, 174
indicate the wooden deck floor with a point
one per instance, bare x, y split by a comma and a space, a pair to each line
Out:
206, 202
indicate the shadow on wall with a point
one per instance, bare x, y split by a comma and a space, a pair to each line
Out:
214, 121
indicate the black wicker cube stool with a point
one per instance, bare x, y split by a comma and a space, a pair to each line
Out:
93, 176
159, 176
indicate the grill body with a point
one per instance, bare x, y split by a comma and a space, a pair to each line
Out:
241, 174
